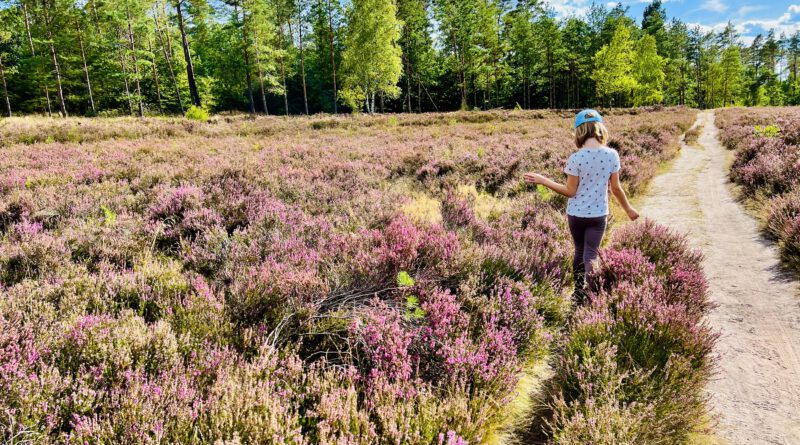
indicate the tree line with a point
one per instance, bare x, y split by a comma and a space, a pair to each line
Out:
120, 57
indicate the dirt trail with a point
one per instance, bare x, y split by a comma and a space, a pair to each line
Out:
756, 394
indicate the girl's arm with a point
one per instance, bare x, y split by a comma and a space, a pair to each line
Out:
569, 190
622, 198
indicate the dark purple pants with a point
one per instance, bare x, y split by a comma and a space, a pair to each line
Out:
587, 233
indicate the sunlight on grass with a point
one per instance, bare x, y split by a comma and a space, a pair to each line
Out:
423, 208
484, 205
520, 409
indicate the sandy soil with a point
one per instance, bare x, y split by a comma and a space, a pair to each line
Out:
755, 396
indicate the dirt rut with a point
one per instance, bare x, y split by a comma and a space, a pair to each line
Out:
755, 396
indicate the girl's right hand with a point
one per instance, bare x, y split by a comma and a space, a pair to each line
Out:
534, 178
632, 214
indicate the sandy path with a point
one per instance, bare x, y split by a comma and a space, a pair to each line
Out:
756, 393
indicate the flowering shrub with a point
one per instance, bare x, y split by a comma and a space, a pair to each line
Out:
175, 281
767, 159
636, 359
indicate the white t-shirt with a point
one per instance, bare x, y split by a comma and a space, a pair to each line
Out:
594, 167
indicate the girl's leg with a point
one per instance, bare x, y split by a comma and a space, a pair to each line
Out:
577, 230
593, 236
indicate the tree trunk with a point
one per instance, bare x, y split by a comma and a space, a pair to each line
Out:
5, 88
463, 79
168, 58
302, 55
261, 81
63, 104
524, 86
124, 73
189, 67
407, 102
283, 66
165, 31
33, 54
47, 97
474, 90
155, 74
86, 70
94, 12
333, 60
135, 66
419, 94
28, 28
283, 78
247, 67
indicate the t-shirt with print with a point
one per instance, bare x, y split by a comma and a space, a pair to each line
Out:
594, 167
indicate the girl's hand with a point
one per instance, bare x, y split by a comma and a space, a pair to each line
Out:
632, 213
535, 178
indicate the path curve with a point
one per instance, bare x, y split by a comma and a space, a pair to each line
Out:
755, 396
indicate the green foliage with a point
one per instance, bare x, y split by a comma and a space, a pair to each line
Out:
117, 58
767, 131
648, 72
731, 75
197, 114
613, 65
413, 311
109, 217
404, 279
544, 193
372, 60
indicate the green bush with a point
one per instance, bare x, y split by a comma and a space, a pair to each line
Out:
197, 114
767, 131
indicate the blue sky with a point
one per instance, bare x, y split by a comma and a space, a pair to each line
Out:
750, 17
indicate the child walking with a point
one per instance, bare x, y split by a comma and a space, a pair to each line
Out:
590, 171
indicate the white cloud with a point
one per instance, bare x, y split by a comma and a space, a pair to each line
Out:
569, 8
745, 10
787, 23
717, 27
714, 6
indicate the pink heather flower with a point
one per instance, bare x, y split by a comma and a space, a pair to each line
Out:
27, 228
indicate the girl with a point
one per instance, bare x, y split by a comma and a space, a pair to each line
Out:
589, 171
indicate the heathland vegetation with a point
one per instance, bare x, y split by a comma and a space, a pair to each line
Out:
767, 166
345, 280
137, 57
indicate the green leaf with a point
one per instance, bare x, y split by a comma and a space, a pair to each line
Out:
404, 279
544, 192
109, 217
413, 311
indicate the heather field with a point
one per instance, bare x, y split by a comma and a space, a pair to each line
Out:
767, 167
335, 280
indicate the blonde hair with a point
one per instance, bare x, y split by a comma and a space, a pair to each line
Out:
588, 130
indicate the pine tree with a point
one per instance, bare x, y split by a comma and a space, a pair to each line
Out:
417, 49
187, 56
577, 39
459, 22
792, 52
654, 23
520, 34
325, 54
730, 70
5, 87
552, 53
